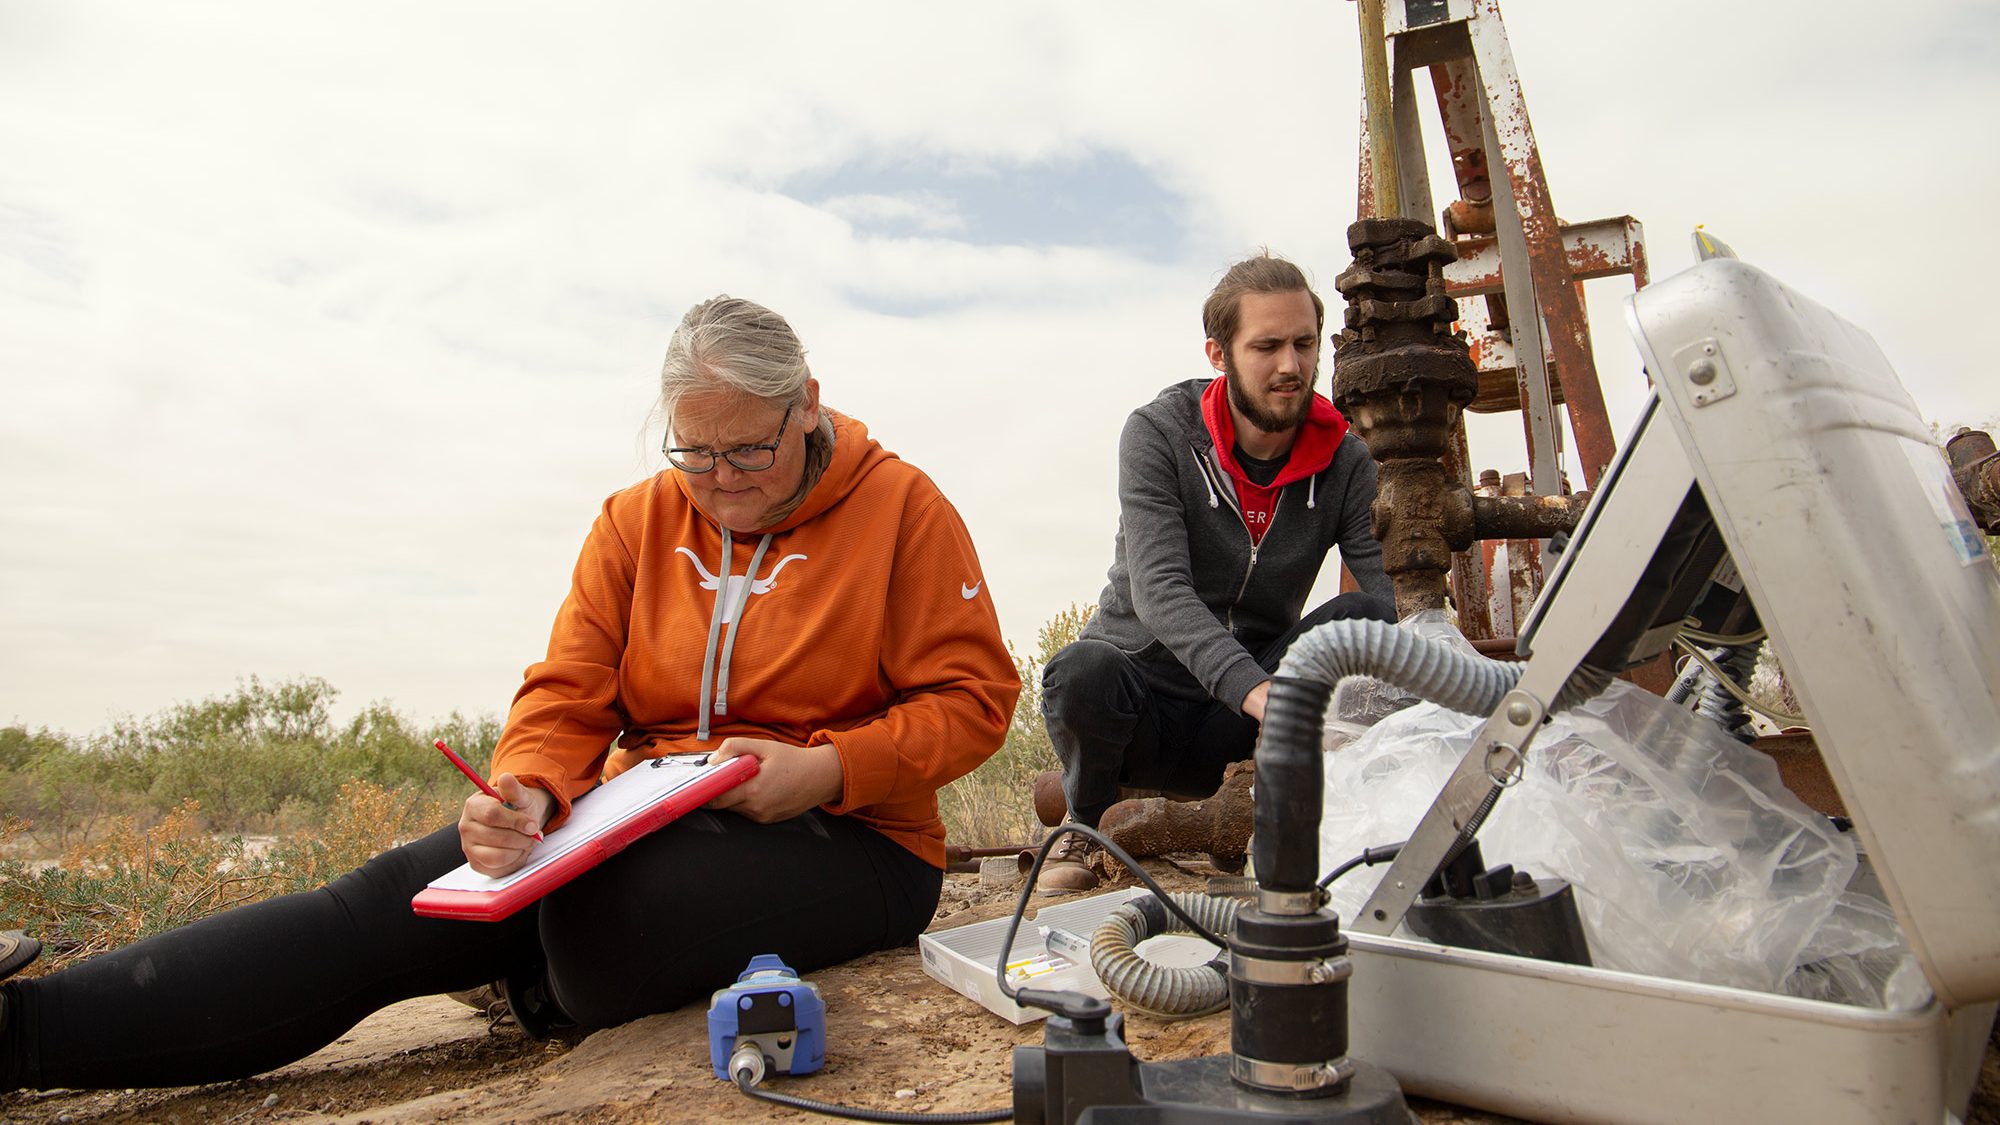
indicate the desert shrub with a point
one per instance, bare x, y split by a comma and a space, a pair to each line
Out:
131, 883
366, 820
994, 804
128, 884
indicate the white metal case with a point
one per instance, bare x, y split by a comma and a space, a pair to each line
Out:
1884, 608
1880, 597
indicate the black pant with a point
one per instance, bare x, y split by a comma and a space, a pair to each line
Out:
673, 917
1119, 718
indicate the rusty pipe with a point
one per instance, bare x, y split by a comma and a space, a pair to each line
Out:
963, 859
959, 853
1526, 517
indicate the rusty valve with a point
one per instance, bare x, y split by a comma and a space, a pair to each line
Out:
1976, 467
1402, 377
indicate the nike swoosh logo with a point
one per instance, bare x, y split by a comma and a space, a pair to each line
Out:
972, 591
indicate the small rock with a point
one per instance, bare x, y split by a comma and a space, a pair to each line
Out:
906, 1093
271, 1101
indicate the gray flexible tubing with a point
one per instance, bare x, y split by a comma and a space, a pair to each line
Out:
1424, 668
1329, 653
1173, 993
1464, 682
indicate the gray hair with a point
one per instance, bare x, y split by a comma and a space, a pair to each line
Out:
741, 345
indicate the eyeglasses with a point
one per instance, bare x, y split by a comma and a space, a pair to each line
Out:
746, 458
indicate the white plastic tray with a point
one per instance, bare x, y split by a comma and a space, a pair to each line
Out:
962, 959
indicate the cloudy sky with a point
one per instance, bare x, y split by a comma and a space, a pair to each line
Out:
324, 328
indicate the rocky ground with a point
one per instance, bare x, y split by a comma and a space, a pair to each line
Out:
896, 1040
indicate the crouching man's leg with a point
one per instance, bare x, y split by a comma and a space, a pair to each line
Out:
1217, 738
1100, 721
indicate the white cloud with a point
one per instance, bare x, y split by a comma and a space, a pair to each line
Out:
920, 212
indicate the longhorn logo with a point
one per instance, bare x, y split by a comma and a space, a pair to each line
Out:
732, 595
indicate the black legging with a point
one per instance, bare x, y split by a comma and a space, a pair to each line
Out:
673, 917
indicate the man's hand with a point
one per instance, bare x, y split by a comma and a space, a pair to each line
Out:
790, 779
1253, 704
495, 838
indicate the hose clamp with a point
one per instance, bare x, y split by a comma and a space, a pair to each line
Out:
1290, 903
1266, 970
1291, 1077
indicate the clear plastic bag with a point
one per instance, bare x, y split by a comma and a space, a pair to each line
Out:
1690, 859
1859, 957
1359, 702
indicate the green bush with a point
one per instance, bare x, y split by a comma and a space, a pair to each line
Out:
259, 759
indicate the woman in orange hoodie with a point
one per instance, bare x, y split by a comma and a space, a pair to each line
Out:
787, 588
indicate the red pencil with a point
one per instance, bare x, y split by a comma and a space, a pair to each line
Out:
476, 779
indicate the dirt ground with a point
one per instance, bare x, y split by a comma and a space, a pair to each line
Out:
897, 1040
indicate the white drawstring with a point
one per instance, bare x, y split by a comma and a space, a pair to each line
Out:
1312, 490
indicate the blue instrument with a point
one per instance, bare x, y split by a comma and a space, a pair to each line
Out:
768, 1022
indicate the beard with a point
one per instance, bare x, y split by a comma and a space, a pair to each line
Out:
1266, 418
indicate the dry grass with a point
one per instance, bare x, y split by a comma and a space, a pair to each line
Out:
130, 882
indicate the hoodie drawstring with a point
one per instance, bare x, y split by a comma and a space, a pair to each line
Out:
1312, 489
714, 686
714, 630
736, 627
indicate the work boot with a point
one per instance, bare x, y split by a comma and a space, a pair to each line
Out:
1076, 863
17, 952
534, 1010
489, 1001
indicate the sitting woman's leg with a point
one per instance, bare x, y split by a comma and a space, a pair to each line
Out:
681, 912
256, 987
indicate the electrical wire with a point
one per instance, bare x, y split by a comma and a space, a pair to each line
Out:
746, 1080
855, 1113
1371, 857
1117, 853
1783, 718
1723, 640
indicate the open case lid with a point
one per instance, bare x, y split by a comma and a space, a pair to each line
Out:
1879, 594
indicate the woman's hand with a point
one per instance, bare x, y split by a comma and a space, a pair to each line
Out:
790, 779
495, 838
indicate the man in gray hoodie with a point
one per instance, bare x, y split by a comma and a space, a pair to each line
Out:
1231, 491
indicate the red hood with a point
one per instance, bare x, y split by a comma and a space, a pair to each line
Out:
1312, 448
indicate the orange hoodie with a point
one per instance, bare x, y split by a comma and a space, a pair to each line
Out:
867, 624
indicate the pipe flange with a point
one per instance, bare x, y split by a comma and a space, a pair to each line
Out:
1297, 1078
1268, 970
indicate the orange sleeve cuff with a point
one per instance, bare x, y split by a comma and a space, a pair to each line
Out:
867, 768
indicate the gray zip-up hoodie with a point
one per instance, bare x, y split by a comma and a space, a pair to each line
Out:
1185, 580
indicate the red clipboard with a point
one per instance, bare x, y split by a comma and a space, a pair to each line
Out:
584, 841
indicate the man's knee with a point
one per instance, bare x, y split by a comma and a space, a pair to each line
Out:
1086, 677
1353, 605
